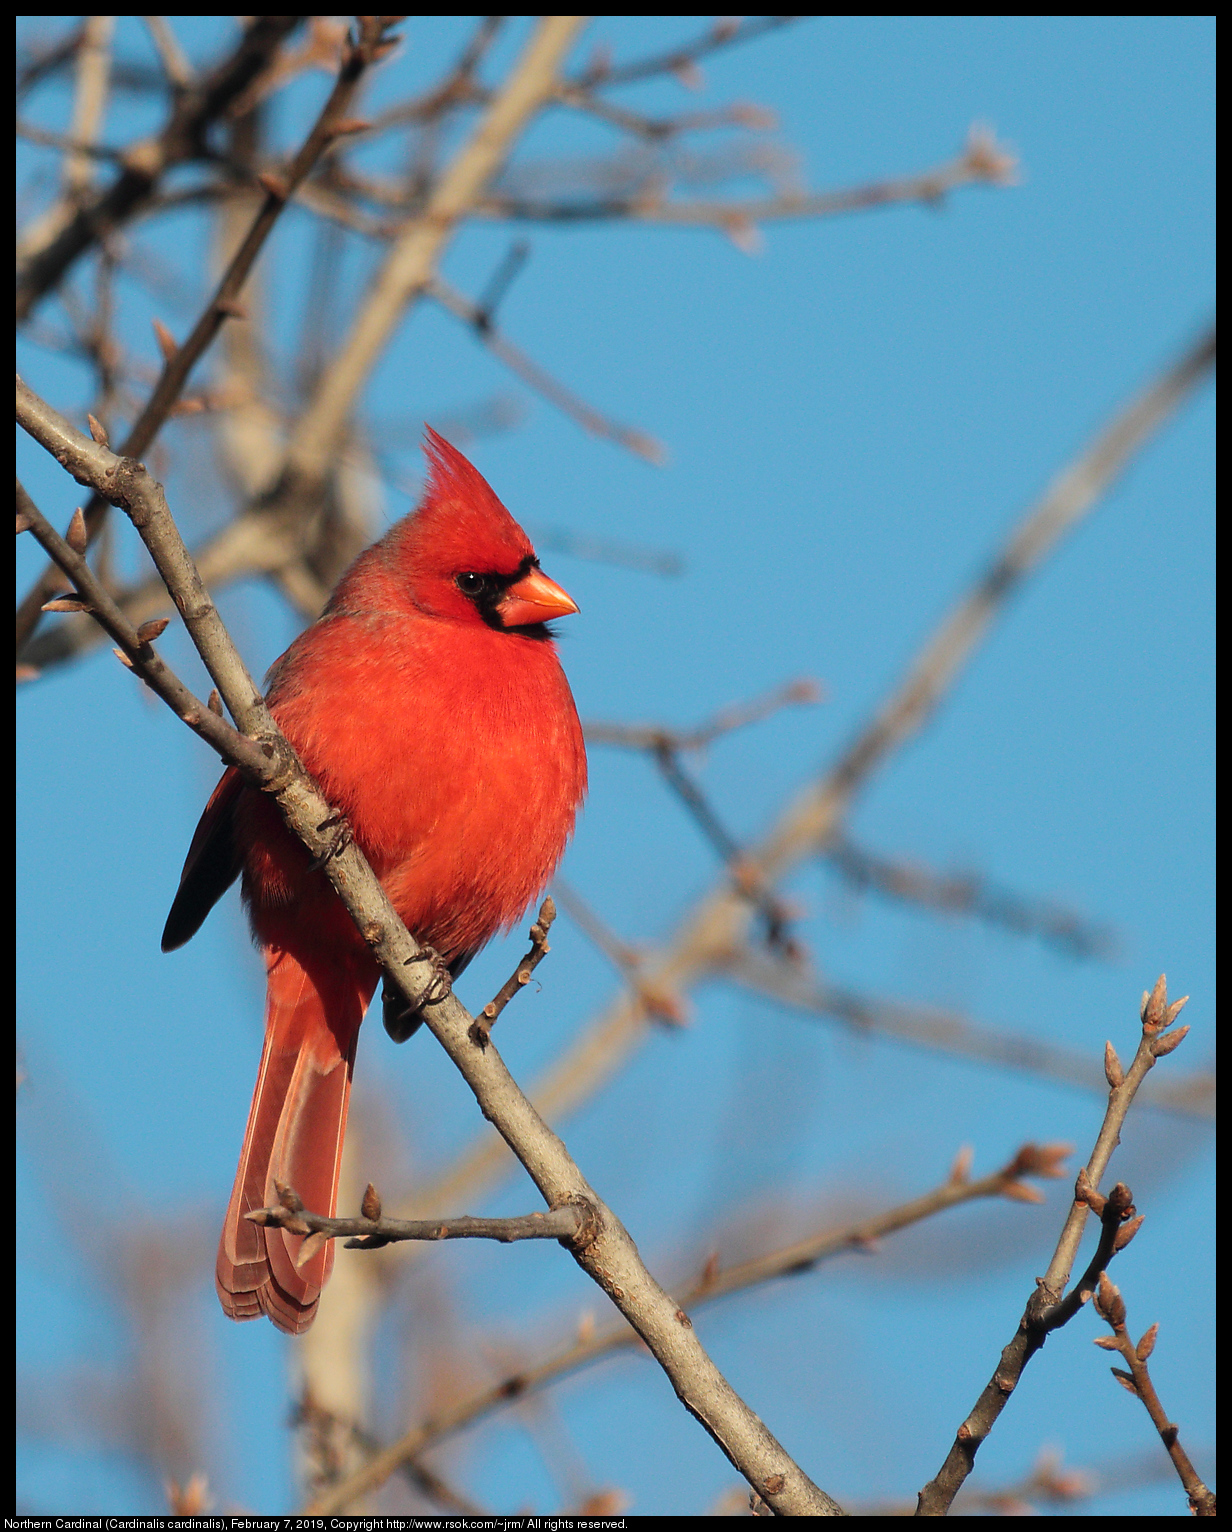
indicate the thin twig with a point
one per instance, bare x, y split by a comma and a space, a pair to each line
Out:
47, 138
658, 1004
722, 34
520, 977
459, 88
658, 130
664, 746
653, 737
1049, 1482
371, 1231
745, 874
1049, 1308
982, 162
321, 1424
605, 550
1110, 1306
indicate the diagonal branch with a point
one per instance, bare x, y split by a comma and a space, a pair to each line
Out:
1049, 1307
135, 649
969, 894
739, 715
478, 318
1111, 1309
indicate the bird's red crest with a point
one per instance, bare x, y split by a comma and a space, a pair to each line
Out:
460, 518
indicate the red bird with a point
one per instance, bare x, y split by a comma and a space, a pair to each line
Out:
429, 704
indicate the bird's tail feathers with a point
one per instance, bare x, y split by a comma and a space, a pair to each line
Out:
294, 1136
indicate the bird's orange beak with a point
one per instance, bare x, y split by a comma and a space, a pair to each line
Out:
534, 598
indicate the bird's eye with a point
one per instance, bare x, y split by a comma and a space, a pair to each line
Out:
471, 584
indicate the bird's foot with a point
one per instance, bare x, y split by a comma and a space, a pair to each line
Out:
338, 841
401, 1018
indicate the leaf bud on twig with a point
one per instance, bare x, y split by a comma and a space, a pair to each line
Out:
1126, 1233
1164, 1044
76, 536
309, 1248
167, 343
149, 631
1108, 1301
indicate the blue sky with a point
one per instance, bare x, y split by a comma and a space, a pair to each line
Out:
855, 418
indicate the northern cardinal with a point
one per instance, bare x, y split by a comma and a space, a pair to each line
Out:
429, 704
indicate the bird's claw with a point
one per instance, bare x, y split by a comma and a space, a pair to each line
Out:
401, 1018
440, 985
338, 842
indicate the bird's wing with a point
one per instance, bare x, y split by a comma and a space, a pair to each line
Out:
213, 863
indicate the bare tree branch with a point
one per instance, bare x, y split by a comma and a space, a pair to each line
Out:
411, 263
371, 1231
45, 263
478, 319
655, 737
1049, 1307
681, 61
176, 64
136, 649
1110, 1306
520, 977
983, 161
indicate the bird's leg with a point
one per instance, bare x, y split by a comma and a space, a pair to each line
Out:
402, 1018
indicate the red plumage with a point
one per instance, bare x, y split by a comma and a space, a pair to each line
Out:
429, 704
